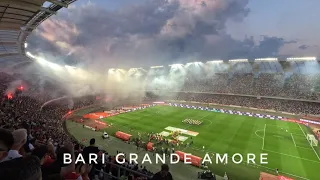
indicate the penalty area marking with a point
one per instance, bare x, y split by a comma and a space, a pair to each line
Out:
257, 134
281, 127
293, 140
308, 143
264, 135
278, 136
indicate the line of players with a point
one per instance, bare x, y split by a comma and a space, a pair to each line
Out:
192, 121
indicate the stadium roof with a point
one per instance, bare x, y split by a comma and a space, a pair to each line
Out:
18, 18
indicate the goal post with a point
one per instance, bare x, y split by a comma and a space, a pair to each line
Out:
312, 140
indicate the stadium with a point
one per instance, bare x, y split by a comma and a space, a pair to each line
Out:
240, 118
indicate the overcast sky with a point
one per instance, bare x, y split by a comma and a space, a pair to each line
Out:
129, 33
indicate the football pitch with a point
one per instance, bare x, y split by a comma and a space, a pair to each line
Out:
284, 142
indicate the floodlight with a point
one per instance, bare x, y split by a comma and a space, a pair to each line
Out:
215, 61
30, 55
302, 58
238, 60
25, 45
266, 59
193, 63
153, 67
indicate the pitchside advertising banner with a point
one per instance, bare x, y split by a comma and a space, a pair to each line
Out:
284, 178
227, 111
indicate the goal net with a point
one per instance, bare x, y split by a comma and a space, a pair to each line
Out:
312, 140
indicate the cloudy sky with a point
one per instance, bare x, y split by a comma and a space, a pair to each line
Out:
134, 33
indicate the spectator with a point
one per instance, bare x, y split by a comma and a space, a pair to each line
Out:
56, 168
164, 174
44, 154
27, 168
6, 142
20, 138
91, 149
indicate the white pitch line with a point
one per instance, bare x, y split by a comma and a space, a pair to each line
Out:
292, 156
204, 116
257, 134
293, 140
308, 142
297, 134
279, 126
304, 147
264, 134
261, 166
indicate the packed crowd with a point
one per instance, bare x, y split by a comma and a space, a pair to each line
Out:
291, 106
33, 139
297, 86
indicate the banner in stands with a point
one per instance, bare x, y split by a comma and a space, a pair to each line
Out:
123, 136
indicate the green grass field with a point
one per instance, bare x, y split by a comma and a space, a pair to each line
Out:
285, 142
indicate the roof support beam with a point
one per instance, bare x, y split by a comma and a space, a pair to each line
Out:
58, 3
48, 10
